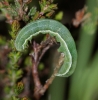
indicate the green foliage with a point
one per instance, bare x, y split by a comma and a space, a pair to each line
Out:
41, 66
28, 61
2, 40
14, 56
59, 16
32, 11
46, 6
15, 12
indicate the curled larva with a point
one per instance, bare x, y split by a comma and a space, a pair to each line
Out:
61, 34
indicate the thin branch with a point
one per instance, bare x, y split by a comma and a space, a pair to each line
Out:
39, 51
46, 45
37, 82
43, 52
50, 80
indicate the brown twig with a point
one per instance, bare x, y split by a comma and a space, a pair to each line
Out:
49, 81
43, 51
46, 45
37, 82
39, 51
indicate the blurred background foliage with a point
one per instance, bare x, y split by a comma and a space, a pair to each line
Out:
83, 84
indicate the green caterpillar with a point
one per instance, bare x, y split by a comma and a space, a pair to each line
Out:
61, 34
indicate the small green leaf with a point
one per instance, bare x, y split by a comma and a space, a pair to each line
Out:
14, 56
36, 15
19, 73
15, 66
32, 11
17, 4
59, 16
53, 6
2, 40
41, 66
28, 61
50, 13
